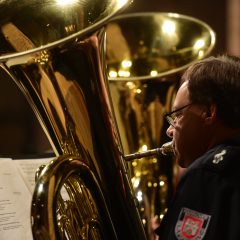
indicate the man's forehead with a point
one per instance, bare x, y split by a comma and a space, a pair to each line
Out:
182, 97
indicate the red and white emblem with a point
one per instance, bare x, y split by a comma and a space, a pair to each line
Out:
191, 225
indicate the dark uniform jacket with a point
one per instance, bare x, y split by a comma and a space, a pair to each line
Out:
207, 201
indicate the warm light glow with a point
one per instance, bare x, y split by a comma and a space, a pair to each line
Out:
136, 182
138, 174
144, 147
112, 74
134, 164
161, 216
154, 73
199, 44
161, 183
154, 160
123, 73
133, 179
138, 91
126, 63
201, 54
131, 85
168, 27
40, 187
149, 184
139, 196
122, 2
65, 2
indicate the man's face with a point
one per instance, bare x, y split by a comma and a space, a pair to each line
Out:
189, 131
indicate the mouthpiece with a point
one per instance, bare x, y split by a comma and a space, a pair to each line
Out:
165, 149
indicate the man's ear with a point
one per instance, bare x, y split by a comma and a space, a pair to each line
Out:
210, 114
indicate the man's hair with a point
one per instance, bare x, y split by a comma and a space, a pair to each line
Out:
216, 80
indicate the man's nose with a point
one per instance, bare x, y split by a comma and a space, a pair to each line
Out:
170, 131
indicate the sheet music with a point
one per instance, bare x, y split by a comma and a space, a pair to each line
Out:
15, 202
17, 181
28, 168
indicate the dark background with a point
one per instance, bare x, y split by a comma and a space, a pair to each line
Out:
20, 131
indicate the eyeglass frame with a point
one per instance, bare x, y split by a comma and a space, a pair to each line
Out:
170, 119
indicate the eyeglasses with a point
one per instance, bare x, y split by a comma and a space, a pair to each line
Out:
172, 116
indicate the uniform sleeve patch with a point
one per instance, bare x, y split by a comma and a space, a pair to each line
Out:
191, 225
219, 156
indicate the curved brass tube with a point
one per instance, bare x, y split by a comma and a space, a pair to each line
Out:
68, 203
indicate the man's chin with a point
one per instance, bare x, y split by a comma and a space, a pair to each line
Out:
179, 161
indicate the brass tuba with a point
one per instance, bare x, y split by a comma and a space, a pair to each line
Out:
54, 51
146, 54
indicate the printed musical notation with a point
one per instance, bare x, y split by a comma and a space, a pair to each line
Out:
16, 188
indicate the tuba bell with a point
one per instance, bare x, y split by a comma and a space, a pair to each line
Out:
146, 54
54, 51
